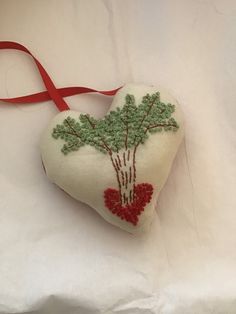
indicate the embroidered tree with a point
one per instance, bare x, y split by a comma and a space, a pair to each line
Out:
119, 134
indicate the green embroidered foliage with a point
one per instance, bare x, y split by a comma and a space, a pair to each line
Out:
124, 127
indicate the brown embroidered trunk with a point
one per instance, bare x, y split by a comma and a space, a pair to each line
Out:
124, 165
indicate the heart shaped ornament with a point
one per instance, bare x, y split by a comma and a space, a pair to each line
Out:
117, 164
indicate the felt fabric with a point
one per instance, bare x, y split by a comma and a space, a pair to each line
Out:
87, 173
58, 256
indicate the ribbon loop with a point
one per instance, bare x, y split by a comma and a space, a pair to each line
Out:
51, 93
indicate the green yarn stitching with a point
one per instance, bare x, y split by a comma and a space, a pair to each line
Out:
121, 128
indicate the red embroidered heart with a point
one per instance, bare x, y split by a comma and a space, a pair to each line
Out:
130, 212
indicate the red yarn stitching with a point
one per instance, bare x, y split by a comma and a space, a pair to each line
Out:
142, 196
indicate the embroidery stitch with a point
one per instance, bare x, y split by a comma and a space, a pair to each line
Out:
119, 134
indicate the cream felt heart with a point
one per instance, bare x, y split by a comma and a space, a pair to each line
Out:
117, 164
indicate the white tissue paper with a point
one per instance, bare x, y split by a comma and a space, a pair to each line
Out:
57, 255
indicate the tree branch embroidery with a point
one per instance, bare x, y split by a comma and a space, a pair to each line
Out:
119, 134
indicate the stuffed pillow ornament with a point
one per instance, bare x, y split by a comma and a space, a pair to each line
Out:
117, 164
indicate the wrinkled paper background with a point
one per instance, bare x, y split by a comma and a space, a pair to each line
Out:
58, 256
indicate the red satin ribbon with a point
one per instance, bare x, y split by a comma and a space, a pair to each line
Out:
56, 94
